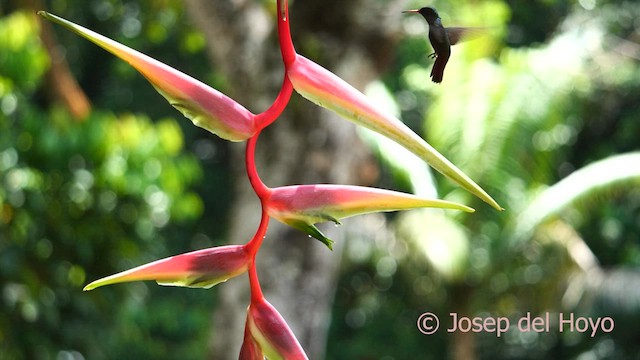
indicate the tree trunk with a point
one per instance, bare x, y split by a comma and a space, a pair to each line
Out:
463, 344
306, 145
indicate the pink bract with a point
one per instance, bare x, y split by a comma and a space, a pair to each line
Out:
203, 105
199, 269
302, 206
326, 89
271, 332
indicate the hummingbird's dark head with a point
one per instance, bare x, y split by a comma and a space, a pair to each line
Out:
430, 14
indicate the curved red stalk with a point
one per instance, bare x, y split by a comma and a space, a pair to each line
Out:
252, 247
254, 244
254, 284
284, 33
258, 186
270, 115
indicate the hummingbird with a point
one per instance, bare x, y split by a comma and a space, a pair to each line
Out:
441, 39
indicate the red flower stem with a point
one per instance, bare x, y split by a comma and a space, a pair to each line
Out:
262, 120
270, 115
284, 33
260, 189
252, 248
254, 244
258, 186
254, 284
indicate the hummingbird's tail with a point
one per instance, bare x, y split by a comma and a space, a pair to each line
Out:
437, 72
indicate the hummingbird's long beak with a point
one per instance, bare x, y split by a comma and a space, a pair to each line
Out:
411, 11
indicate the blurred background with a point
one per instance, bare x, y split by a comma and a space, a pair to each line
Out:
99, 174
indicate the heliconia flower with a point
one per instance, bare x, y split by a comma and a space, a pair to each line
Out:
302, 206
326, 89
197, 269
203, 105
270, 331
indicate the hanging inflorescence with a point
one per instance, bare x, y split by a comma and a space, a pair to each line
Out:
302, 206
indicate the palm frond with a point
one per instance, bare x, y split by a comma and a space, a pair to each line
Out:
588, 182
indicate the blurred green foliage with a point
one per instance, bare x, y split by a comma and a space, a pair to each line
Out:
80, 200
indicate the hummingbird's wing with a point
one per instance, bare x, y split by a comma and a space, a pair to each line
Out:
458, 34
